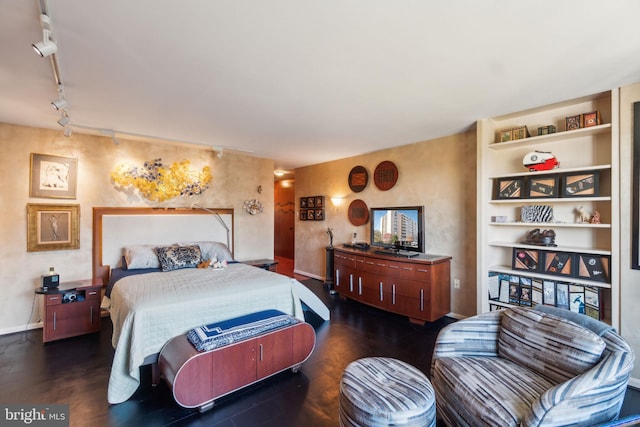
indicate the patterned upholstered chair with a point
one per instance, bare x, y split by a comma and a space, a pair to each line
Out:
530, 367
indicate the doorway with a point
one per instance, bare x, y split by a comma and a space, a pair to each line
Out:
284, 225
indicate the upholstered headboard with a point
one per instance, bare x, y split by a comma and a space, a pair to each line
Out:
115, 228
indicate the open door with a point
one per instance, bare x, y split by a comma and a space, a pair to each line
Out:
284, 218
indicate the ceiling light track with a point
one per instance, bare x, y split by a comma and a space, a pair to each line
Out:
48, 48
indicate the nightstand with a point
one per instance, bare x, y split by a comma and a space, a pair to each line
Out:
72, 309
265, 264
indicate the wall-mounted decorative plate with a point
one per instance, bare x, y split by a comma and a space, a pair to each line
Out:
358, 179
385, 175
358, 213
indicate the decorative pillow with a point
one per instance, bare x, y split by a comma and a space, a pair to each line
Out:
550, 345
212, 250
141, 256
177, 257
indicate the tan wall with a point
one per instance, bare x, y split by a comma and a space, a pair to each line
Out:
629, 279
438, 174
235, 179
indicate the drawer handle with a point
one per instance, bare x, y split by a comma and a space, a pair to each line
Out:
393, 294
407, 268
350, 282
53, 298
337, 277
393, 266
381, 293
359, 285
261, 352
92, 293
54, 320
422, 270
421, 299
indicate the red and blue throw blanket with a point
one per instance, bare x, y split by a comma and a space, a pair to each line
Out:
220, 334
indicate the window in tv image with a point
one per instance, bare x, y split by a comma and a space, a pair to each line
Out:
398, 228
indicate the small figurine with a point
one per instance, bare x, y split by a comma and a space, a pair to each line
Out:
330, 233
595, 219
581, 215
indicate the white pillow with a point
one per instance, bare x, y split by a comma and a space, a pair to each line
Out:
212, 250
141, 256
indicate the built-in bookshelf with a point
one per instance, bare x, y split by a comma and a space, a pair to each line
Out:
591, 152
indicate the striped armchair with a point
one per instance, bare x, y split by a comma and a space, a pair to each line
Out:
529, 367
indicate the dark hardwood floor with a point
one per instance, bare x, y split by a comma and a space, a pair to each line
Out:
76, 371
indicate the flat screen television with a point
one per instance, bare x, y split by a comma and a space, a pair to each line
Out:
398, 228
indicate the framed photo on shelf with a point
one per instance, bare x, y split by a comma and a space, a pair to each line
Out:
525, 259
544, 186
505, 135
52, 227
593, 267
53, 177
558, 263
581, 184
509, 188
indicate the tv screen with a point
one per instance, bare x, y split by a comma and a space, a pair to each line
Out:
398, 228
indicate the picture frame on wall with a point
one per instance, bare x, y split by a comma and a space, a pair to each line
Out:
54, 177
509, 188
52, 227
584, 184
544, 186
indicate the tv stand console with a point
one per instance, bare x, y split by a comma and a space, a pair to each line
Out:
417, 287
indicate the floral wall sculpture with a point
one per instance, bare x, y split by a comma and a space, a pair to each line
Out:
157, 182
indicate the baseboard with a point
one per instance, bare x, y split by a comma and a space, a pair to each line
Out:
456, 316
23, 328
312, 276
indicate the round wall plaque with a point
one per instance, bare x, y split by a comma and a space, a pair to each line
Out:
358, 212
358, 179
385, 175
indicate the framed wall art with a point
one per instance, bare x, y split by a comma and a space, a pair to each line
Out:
52, 227
311, 208
584, 184
509, 188
53, 176
635, 196
544, 186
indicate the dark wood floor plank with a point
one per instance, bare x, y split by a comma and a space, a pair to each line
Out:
76, 371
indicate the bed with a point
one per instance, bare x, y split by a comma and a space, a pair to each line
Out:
149, 306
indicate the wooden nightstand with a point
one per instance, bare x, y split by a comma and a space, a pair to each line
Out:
266, 264
72, 309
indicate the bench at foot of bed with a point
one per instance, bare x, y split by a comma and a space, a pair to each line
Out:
197, 378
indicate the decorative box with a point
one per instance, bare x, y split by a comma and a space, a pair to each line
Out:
558, 263
593, 267
574, 122
591, 119
525, 259
545, 130
520, 133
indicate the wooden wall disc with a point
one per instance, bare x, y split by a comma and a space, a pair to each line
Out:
358, 213
358, 179
385, 175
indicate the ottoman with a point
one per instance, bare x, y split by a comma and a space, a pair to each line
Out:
379, 391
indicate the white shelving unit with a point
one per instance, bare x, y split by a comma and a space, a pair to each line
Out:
592, 149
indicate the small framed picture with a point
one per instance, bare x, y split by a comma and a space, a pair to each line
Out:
311, 202
319, 201
53, 176
549, 292
509, 188
544, 186
593, 267
574, 122
303, 214
52, 227
562, 295
311, 215
558, 263
581, 185
520, 133
319, 214
303, 202
526, 259
505, 135
591, 119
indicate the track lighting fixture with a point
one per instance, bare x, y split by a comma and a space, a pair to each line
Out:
64, 120
48, 44
60, 104
67, 131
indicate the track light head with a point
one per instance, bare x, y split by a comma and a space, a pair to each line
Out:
64, 120
67, 131
60, 104
45, 48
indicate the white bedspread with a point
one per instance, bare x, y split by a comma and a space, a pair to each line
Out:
149, 309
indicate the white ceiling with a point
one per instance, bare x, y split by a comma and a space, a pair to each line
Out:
309, 81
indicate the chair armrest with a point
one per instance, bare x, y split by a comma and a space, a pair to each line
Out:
473, 336
598, 391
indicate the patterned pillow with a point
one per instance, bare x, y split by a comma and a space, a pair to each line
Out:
177, 257
553, 347
212, 250
140, 256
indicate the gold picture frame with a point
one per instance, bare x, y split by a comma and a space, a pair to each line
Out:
52, 227
53, 177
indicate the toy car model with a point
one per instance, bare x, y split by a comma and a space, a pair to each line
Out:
540, 161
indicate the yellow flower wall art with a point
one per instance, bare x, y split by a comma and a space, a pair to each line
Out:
157, 182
